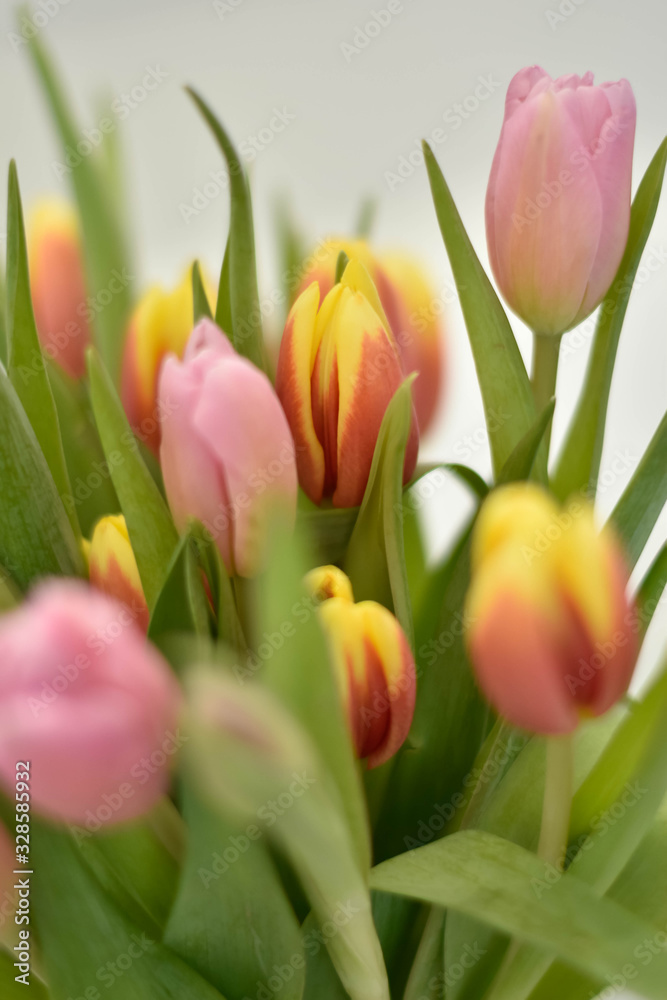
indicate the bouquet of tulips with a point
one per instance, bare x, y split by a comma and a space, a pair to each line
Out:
254, 743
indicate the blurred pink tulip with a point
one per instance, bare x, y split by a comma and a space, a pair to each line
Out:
88, 703
227, 452
558, 201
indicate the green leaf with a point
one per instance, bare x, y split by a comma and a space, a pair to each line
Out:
68, 906
341, 263
3, 320
492, 879
201, 307
504, 382
223, 310
375, 560
105, 253
636, 513
152, 533
427, 974
291, 251
468, 476
521, 462
36, 537
366, 218
651, 589
328, 529
230, 892
182, 605
13, 990
27, 369
229, 627
246, 325
579, 462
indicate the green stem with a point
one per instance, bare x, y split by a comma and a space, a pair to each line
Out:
546, 350
558, 789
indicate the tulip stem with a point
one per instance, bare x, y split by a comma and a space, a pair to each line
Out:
546, 351
558, 789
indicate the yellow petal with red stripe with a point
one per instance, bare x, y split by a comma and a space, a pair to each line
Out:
113, 568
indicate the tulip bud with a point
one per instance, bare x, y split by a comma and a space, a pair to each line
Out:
550, 635
558, 201
160, 324
410, 305
337, 372
113, 568
88, 703
58, 285
373, 664
227, 453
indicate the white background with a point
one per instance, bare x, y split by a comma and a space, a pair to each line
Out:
356, 113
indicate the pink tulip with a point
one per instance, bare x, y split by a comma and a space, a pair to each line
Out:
227, 452
88, 703
558, 201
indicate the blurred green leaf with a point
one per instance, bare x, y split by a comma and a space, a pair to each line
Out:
3, 320
246, 317
375, 560
643, 499
182, 605
291, 252
229, 627
27, 369
467, 476
152, 533
521, 462
504, 382
106, 256
13, 990
650, 590
201, 306
427, 979
36, 537
366, 218
230, 892
579, 462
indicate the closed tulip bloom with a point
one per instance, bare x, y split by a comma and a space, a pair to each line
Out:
113, 568
373, 664
337, 372
411, 308
57, 284
227, 452
558, 201
160, 324
551, 636
88, 702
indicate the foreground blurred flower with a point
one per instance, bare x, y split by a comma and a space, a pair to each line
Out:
552, 634
558, 201
113, 568
88, 702
410, 305
373, 664
227, 453
160, 324
337, 372
58, 285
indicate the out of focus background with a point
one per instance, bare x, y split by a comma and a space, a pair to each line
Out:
328, 103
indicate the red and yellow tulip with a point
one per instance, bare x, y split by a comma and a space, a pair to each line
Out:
113, 568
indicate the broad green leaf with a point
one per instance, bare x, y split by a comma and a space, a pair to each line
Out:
643, 499
322, 980
152, 533
232, 921
69, 907
36, 537
651, 589
247, 755
201, 306
427, 977
328, 529
503, 380
297, 668
492, 879
521, 462
9, 592
26, 368
106, 258
579, 462
182, 604
375, 560
400, 924
246, 317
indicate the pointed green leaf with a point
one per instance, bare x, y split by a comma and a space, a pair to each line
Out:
152, 533
522, 460
504, 382
468, 476
636, 513
201, 307
3, 321
579, 462
651, 589
182, 605
36, 537
246, 321
27, 368
375, 560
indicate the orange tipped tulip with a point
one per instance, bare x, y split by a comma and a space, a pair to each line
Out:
337, 372
113, 567
160, 324
373, 663
58, 285
552, 634
411, 306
